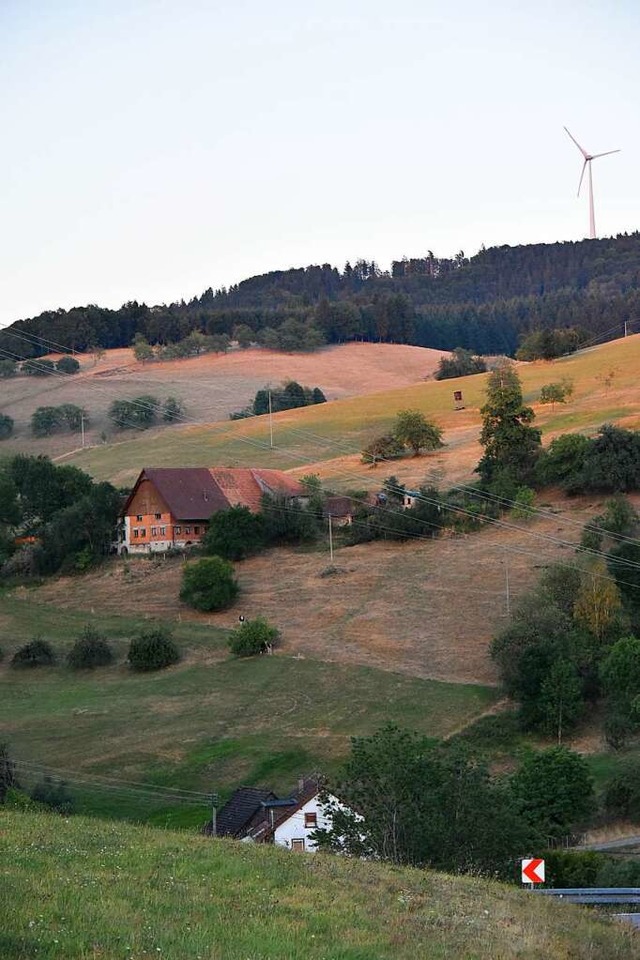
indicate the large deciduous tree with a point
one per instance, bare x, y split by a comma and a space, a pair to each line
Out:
409, 800
412, 429
554, 791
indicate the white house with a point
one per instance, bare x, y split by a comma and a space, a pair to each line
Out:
258, 816
295, 830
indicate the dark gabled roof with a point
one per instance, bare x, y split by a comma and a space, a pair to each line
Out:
194, 493
263, 830
190, 493
239, 809
339, 507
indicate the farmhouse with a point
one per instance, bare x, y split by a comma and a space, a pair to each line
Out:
256, 815
171, 506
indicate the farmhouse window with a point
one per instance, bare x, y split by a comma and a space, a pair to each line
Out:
158, 516
196, 529
154, 531
187, 529
163, 531
177, 529
297, 844
136, 532
139, 518
311, 820
143, 532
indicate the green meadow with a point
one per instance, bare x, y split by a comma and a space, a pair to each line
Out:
74, 889
208, 724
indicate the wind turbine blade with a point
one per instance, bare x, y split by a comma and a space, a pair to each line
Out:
584, 167
581, 149
605, 154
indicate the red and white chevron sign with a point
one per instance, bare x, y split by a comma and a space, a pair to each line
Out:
533, 871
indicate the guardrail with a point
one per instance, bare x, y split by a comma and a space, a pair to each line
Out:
593, 895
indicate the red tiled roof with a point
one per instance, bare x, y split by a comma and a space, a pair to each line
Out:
246, 487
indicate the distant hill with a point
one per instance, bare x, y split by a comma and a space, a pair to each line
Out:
486, 303
75, 888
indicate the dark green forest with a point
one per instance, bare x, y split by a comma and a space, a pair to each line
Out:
488, 303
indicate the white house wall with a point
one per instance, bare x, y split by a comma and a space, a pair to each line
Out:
294, 829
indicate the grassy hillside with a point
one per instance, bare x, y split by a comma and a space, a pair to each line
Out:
208, 724
210, 387
78, 889
327, 438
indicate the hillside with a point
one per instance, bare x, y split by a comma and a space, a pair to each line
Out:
210, 386
74, 889
205, 724
487, 303
327, 439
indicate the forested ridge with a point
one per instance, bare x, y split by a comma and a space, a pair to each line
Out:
487, 303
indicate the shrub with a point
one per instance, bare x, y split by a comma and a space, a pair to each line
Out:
6, 426
90, 650
172, 410
235, 534
36, 653
153, 649
38, 368
252, 637
54, 795
523, 508
209, 584
461, 363
573, 868
45, 421
67, 365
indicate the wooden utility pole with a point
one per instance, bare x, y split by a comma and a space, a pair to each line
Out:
330, 538
270, 423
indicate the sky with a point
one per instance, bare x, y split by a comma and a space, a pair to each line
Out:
154, 149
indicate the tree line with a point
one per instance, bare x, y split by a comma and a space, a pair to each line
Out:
488, 303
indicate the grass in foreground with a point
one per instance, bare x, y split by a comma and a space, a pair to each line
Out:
87, 889
207, 724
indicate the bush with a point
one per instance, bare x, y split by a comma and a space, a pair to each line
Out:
153, 649
38, 368
209, 584
138, 413
67, 365
461, 363
6, 426
90, 650
523, 504
36, 653
54, 795
235, 534
252, 637
573, 868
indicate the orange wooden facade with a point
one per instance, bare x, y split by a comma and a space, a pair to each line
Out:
151, 521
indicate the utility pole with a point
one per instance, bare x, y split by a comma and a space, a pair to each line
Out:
330, 538
270, 423
82, 427
506, 577
214, 800
625, 328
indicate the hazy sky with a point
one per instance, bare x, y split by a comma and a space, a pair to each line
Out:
152, 149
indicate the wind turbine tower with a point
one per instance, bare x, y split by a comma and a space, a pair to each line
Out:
588, 157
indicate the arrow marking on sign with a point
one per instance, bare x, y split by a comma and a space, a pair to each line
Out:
533, 871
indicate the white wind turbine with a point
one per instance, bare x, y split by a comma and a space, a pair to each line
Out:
588, 157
